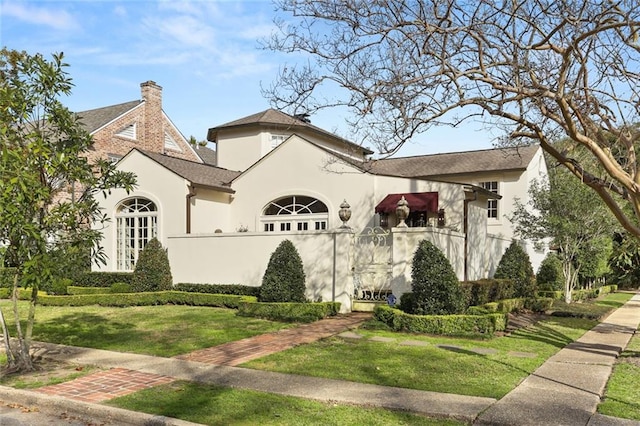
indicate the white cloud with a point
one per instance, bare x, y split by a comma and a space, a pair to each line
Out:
54, 18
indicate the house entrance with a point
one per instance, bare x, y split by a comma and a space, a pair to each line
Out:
372, 264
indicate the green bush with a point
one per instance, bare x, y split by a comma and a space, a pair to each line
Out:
74, 290
516, 265
435, 287
550, 276
484, 291
407, 302
152, 271
291, 312
120, 288
551, 294
103, 279
447, 325
59, 286
241, 290
284, 279
540, 304
147, 299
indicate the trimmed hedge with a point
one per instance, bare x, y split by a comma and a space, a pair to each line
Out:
240, 290
75, 290
506, 306
147, 299
447, 325
484, 291
103, 279
579, 295
289, 311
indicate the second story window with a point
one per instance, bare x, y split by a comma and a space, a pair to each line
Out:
492, 205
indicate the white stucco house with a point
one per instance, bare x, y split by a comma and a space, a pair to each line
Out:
280, 177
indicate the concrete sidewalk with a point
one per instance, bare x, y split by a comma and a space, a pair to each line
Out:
565, 390
568, 387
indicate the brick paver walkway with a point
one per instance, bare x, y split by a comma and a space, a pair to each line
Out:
117, 382
241, 351
105, 385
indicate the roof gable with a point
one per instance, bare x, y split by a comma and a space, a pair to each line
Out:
456, 163
196, 173
94, 119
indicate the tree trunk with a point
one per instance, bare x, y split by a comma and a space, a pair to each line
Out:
22, 356
11, 361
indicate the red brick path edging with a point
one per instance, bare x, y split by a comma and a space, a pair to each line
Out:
105, 385
241, 351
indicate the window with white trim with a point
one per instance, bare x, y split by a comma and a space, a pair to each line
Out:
295, 213
136, 224
170, 143
492, 205
277, 140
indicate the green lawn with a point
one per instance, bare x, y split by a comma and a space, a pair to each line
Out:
152, 330
457, 369
213, 405
622, 396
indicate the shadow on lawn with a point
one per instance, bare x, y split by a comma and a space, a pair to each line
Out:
88, 330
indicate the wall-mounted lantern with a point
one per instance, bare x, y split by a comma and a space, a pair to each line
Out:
441, 219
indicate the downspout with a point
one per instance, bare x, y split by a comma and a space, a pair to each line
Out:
466, 233
190, 195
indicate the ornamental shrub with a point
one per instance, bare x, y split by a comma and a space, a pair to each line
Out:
550, 276
284, 279
516, 265
152, 271
435, 287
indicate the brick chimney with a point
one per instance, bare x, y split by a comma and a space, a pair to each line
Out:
153, 124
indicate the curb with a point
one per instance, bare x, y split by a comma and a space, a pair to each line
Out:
85, 411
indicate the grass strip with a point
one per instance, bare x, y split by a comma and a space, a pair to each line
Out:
214, 405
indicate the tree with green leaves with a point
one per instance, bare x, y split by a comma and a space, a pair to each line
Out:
565, 214
48, 187
530, 71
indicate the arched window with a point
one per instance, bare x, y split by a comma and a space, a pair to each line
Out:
136, 224
295, 213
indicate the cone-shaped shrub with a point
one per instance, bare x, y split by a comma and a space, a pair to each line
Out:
284, 278
436, 289
152, 271
516, 265
550, 276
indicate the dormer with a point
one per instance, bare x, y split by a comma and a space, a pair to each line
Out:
241, 143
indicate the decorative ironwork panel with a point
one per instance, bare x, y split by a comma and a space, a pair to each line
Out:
371, 264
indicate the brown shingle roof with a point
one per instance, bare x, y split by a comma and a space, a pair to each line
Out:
207, 155
274, 117
94, 119
455, 163
196, 173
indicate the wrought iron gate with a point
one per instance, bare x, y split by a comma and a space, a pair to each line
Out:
372, 263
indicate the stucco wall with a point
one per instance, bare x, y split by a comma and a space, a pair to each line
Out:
242, 258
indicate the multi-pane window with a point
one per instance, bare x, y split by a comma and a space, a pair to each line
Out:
277, 140
492, 205
298, 213
136, 224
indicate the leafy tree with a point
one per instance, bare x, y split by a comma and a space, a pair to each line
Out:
435, 287
566, 212
550, 276
625, 261
533, 71
47, 184
284, 279
516, 265
152, 271
593, 259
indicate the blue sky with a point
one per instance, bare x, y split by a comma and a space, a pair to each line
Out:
205, 55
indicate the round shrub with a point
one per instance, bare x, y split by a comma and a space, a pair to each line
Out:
59, 286
436, 289
152, 271
284, 279
516, 265
550, 276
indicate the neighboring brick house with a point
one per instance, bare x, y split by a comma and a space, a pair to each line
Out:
141, 124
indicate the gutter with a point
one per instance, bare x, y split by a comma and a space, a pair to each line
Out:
190, 195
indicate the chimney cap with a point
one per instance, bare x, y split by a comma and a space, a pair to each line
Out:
149, 83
